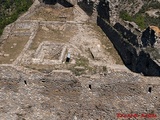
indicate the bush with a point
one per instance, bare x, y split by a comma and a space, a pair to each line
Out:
125, 16
140, 21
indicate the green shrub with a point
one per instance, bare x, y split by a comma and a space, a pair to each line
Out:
125, 16
141, 18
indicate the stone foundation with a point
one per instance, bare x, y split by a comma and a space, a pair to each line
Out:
49, 53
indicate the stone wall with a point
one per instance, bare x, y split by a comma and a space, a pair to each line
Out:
147, 65
148, 38
103, 10
87, 6
46, 52
127, 34
6, 32
134, 58
65, 3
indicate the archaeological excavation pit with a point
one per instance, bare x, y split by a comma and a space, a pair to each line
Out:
49, 53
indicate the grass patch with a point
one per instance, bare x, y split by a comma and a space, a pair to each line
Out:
139, 19
84, 64
82, 61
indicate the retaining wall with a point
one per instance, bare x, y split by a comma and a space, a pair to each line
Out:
134, 58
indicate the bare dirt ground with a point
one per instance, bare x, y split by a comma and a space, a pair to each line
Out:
12, 48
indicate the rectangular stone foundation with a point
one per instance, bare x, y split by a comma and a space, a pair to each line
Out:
49, 53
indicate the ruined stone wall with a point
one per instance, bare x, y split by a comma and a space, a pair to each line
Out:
6, 32
147, 65
136, 61
103, 10
73, 2
148, 38
127, 34
87, 6
65, 3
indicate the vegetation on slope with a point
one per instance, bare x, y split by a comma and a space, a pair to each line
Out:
141, 18
10, 11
